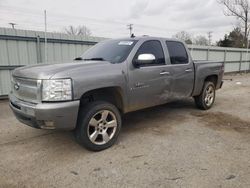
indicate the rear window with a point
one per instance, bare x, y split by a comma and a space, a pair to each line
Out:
177, 52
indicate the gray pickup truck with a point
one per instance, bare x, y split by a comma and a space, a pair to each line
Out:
114, 77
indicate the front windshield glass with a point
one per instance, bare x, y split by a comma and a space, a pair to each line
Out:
114, 51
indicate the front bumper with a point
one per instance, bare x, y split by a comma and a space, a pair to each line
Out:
56, 115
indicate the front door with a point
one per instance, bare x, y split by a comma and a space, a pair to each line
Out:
149, 84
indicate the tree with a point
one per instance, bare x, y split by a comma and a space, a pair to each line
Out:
239, 9
225, 42
184, 36
187, 38
80, 30
237, 38
234, 39
201, 40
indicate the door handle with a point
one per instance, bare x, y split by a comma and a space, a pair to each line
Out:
165, 73
189, 70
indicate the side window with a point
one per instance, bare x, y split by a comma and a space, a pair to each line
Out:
152, 47
177, 52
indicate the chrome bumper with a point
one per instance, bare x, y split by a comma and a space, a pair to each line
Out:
59, 115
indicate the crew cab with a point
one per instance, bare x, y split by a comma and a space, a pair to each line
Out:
112, 78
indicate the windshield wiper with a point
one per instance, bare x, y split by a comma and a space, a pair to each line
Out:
95, 59
78, 58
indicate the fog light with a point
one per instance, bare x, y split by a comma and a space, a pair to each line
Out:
48, 125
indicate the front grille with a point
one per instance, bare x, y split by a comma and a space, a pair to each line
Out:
26, 89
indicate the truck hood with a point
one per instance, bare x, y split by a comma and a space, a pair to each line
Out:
47, 71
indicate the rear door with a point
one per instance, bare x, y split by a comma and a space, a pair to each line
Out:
149, 84
182, 69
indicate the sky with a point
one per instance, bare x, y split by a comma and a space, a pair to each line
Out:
109, 18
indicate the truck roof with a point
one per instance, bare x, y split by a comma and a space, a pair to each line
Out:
149, 38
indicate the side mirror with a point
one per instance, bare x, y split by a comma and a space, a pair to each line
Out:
144, 59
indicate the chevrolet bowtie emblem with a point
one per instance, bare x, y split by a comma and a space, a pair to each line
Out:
17, 86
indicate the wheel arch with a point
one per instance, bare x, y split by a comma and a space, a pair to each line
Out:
114, 95
212, 78
200, 82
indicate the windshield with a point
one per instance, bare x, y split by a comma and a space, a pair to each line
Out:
114, 51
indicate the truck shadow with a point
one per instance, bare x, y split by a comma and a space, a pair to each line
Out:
157, 119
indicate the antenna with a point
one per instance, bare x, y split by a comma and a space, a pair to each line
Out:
130, 27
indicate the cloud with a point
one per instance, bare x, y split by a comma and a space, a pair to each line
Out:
157, 8
1, 2
196, 16
109, 18
141, 8
137, 9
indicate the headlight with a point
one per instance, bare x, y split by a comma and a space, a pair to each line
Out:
57, 90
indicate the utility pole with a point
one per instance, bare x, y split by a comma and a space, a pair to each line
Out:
130, 27
45, 37
192, 48
247, 61
209, 37
13, 25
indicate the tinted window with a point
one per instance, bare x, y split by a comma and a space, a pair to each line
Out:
115, 51
152, 47
177, 52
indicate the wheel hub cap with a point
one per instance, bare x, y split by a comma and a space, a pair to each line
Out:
102, 127
209, 96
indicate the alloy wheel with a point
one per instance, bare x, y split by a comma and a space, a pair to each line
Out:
102, 127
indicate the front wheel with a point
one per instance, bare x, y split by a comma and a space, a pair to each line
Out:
206, 99
98, 125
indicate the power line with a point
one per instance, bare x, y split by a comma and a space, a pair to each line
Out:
58, 21
99, 29
99, 23
63, 16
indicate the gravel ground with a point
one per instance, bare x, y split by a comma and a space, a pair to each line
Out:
174, 145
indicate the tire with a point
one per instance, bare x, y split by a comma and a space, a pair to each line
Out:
207, 97
98, 126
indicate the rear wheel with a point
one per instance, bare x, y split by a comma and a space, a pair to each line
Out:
98, 126
206, 99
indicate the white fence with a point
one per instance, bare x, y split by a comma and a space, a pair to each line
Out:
23, 47
236, 59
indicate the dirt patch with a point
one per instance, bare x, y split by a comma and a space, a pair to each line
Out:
220, 121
